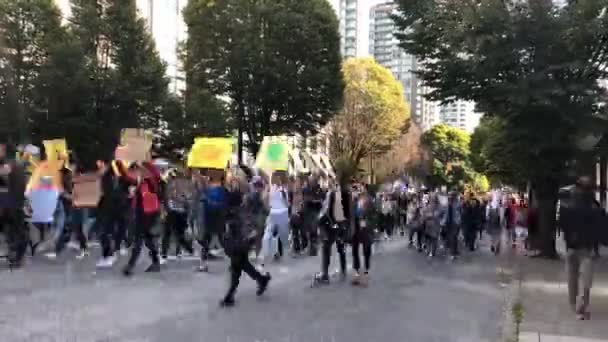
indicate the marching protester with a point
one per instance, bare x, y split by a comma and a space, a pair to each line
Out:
146, 206
12, 199
362, 236
178, 196
450, 222
494, 227
211, 215
581, 222
243, 206
313, 201
73, 224
415, 223
300, 240
432, 216
335, 220
277, 224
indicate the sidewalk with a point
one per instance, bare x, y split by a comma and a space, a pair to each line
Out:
544, 296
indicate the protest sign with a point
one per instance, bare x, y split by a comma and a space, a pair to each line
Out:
135, 145
210, 153
86, 191
273, 155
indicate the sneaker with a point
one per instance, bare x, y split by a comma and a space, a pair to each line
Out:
163, 260
365, 279
227, 302
324, 279
153, 268
127, 271
51, 255
123, 252
74, 245
82, 255
171, 258
356, 280
263, 284
203, 268
453, 257
431, 255
105, 262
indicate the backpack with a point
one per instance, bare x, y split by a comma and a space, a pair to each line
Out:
149, 199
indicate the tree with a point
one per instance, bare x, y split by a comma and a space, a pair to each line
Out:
449, 150
126, 84
278, 62
374, 113
29, 29
407, 156
534, 64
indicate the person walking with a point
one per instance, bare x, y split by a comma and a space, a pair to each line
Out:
313, 196
212, 215
146, 206
362, 237
334, 221
451, 221
581, 223
432, 215
12, 199
178, 196
241, 234
277, 224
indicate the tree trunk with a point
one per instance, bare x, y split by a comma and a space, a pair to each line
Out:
546, 197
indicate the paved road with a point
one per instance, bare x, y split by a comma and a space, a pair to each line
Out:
409, 299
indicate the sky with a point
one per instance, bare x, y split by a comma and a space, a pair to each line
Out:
364, 7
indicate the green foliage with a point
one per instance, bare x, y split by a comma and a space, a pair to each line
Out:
449, 150
374, 113
277, 61
84, 81
533, 64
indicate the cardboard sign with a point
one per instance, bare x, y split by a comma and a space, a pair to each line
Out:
135, 145
86, 191
47, 168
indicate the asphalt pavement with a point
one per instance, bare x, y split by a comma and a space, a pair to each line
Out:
409, 298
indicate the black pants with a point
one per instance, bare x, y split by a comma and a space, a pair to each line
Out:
214, 225
333, 236
417, 233
70, 229
300, 240
363, 238
388, 222
175, 224
112, 226
143, 234
470, 236
311, 229
16, 233
239, 263
453, 232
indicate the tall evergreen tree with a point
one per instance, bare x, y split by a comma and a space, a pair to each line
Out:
278, 62
535, 64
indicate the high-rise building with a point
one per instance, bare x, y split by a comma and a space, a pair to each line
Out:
347, 12
384, 47
459, 114
166, 25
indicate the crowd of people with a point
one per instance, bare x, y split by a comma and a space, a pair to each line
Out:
268, 216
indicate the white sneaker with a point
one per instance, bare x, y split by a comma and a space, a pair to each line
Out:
74, 245
82, 255
124, 252
163, 261
105, 262
171, 258
51, 255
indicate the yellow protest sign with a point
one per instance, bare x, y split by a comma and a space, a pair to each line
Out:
210, 153
56, 149
273, 154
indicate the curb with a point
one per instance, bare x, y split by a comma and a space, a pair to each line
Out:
511, 274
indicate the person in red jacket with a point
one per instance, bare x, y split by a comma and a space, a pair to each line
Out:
146, 206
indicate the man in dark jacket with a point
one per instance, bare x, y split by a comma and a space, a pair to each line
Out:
580, 220
335, 223
12, 199
238, 240
312, 196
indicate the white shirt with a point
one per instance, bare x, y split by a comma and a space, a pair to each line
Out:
278, 203
338, 208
